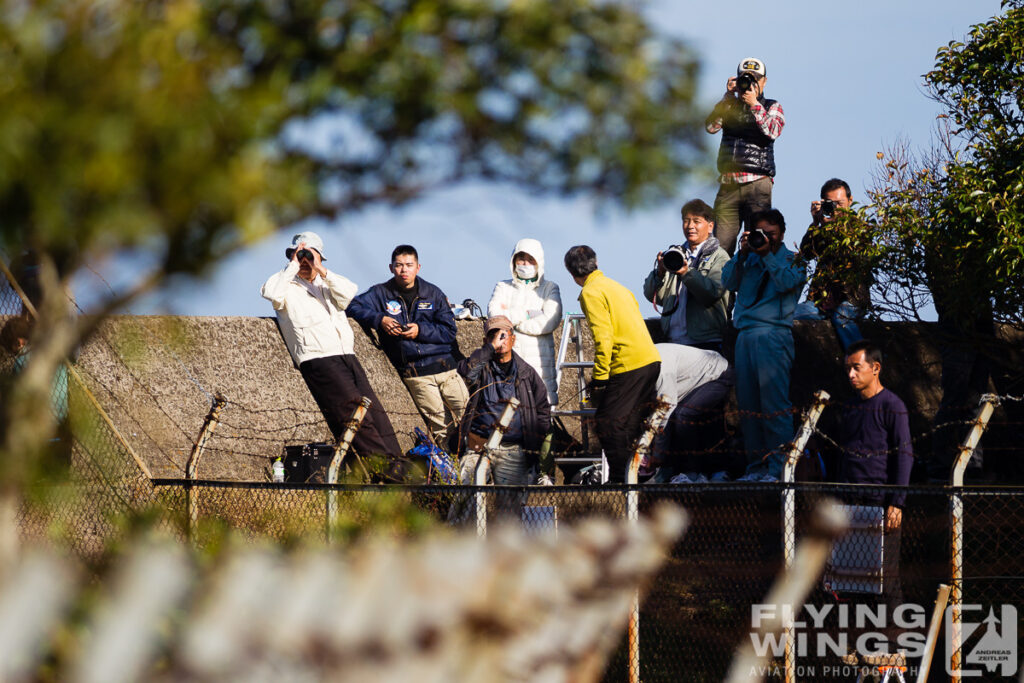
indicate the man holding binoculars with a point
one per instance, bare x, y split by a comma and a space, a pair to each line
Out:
310, 303
750, 123
686, 283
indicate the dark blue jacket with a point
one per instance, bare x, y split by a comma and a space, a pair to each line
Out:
434, 350
534, 414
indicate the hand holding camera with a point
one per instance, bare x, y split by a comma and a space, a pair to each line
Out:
746, 88
674, 260
755, 240
823, 211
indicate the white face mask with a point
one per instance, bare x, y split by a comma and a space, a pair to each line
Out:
526, 271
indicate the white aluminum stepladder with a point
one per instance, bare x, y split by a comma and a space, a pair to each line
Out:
571, 333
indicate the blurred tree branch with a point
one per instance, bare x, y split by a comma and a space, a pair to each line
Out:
179, 130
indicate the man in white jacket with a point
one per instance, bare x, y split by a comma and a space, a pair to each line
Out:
310, 303
534, 306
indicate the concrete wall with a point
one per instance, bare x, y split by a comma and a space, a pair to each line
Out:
150, 373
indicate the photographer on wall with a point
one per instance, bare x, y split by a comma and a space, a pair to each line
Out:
767, 279
686, 283
840, 287
750, 123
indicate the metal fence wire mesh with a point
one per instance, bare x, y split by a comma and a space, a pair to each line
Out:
693, 616
702, 605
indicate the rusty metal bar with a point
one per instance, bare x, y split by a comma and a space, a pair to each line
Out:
340, 450
789, 509
643, 445
933, 633
483, 464
192, 466
205, 434
986, 406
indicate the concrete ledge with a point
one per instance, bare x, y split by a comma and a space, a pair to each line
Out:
150, 372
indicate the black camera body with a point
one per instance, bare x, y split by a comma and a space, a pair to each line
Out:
756, 239
673, 258
744, 82
828, 209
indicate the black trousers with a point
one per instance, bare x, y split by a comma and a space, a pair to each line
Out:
621, 410
696, 425
337, 384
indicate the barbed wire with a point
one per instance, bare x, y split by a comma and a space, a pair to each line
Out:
273, 435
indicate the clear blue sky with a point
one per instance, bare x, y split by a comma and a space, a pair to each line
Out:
848, 75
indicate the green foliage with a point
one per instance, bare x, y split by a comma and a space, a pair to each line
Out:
157, 125
954, 224
178, 130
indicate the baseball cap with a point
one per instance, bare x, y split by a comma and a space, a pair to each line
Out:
751, 65
312, 241
498, 322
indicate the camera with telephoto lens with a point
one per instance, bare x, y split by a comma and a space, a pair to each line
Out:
828, 209
744, 81
673, 258
756, 239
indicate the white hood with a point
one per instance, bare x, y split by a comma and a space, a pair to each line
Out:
533, 248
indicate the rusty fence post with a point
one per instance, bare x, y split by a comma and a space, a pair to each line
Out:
483, 465
655, 422
340, 450
789, 513
986, 406
192, 466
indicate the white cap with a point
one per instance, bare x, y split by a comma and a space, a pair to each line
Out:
312, 241
751, 65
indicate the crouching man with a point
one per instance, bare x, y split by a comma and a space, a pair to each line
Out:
494, 374
310, 303
697, 383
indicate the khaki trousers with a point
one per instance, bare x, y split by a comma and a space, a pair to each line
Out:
441, 400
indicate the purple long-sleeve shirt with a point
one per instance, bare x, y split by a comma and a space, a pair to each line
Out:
875, 438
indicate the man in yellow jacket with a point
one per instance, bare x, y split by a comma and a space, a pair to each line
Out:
626, 363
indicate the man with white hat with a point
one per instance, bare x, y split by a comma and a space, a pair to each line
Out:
750, 123
310, 303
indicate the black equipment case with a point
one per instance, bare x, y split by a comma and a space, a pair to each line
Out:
307, 463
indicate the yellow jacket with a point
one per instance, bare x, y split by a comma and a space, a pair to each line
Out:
621, 340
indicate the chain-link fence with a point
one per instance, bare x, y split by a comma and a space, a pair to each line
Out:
880, 584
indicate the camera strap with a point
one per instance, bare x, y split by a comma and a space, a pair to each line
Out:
761, 286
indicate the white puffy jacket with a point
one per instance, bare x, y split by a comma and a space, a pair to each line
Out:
535, 308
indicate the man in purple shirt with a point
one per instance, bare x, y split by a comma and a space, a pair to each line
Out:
875, 434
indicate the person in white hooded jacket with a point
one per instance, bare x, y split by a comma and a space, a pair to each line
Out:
534, 306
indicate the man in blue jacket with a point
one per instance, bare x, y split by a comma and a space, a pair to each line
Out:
416, 329
767, 278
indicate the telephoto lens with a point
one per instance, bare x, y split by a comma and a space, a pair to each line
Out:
673, 259
757, 239
828, 208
